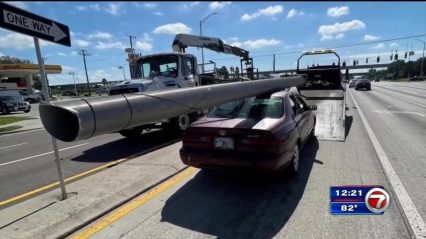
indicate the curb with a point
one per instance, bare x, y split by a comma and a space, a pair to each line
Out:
19, 131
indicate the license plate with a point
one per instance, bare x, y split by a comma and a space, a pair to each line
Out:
224, 143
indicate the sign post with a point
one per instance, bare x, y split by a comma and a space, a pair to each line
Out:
27, 23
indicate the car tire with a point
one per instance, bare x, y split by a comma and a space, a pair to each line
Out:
27, 111
5, 111
132, 133
368, 88
179, 124
312, 134
294, 165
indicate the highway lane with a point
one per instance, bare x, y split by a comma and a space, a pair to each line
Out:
400, 126
27, 161
232, 205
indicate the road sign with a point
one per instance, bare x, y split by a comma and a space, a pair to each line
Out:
377, 200
21, 21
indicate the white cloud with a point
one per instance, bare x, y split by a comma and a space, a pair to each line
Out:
172, 29
19, 41
150, 5
269, 11
218, 5
338, 11
99, 75
394, 44
158, 13
18, 4
291, 13
100, 35
68, 68
256, 44
94, 7
339, 36
73, 53
187, 7
378, 46
62, 54
369, 37
81, 43
114, 9
108, 45
143, 45
327, 31
1, 54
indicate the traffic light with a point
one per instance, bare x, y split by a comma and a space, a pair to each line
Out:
378, 59
354, 63
391, 56
396, 56
357, 62
405, 55
344, 64
366, 60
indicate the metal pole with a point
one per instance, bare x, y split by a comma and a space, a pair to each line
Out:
124, 74
47, 99
78, 82
202, 50
273, 63
85, 68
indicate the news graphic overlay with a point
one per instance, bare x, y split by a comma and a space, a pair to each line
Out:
358, 200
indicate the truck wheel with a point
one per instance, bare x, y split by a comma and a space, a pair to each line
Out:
132, 133
26, 111
181, 123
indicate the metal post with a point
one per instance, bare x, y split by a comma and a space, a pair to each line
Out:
202, 50
201, 34
47, 99
273, 63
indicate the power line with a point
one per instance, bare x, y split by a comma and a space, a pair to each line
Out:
335, 47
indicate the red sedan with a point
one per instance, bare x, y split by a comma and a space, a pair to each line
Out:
263, 132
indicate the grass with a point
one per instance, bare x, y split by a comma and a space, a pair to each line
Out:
12, 119
9, 128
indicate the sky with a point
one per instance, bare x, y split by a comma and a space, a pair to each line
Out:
263, 28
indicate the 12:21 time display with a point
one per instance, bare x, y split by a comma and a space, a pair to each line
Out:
348, 193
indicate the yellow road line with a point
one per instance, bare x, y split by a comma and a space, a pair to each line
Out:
127, 208
53, 185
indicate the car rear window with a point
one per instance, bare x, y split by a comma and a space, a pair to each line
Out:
255, 108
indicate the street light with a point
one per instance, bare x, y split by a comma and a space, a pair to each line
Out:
124, 74
424, 46
75, 87
201, 34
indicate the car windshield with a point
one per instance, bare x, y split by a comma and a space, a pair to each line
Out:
9, 97
166, 65
254, 108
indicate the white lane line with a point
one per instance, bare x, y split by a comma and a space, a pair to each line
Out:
416, 222
404, 99
5, 147
38, 155
13, 134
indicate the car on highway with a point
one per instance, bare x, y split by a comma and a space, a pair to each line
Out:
13, 104
265, 132
352, 83
363, 83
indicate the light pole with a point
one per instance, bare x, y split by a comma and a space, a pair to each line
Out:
124, 74
424, 46
201, 34
75, 86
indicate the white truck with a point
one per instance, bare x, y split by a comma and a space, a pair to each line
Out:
168, 71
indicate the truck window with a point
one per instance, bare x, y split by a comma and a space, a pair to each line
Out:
188, 66
162, 65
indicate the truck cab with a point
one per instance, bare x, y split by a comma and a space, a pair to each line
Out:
160, 72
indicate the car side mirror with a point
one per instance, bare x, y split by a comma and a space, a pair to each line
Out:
313, 107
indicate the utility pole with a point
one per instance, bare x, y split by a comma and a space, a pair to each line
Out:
423, 58
84, 53
47, 80
273, 63
130, 38
131, 55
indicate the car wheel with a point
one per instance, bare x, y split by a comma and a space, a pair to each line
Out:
26, 111
368, 88
132, 133
294, 165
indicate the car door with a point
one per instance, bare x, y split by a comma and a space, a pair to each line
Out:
308, 114
299, 116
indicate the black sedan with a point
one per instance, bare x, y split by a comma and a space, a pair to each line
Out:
363, 84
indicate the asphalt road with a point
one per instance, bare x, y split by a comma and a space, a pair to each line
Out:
27, 159
232, 205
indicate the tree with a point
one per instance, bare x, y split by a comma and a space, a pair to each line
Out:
104, 82
223, 71
13, 60
37, 82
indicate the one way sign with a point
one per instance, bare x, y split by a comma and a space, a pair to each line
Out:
21, 21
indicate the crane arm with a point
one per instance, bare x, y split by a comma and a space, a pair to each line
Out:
183, 41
